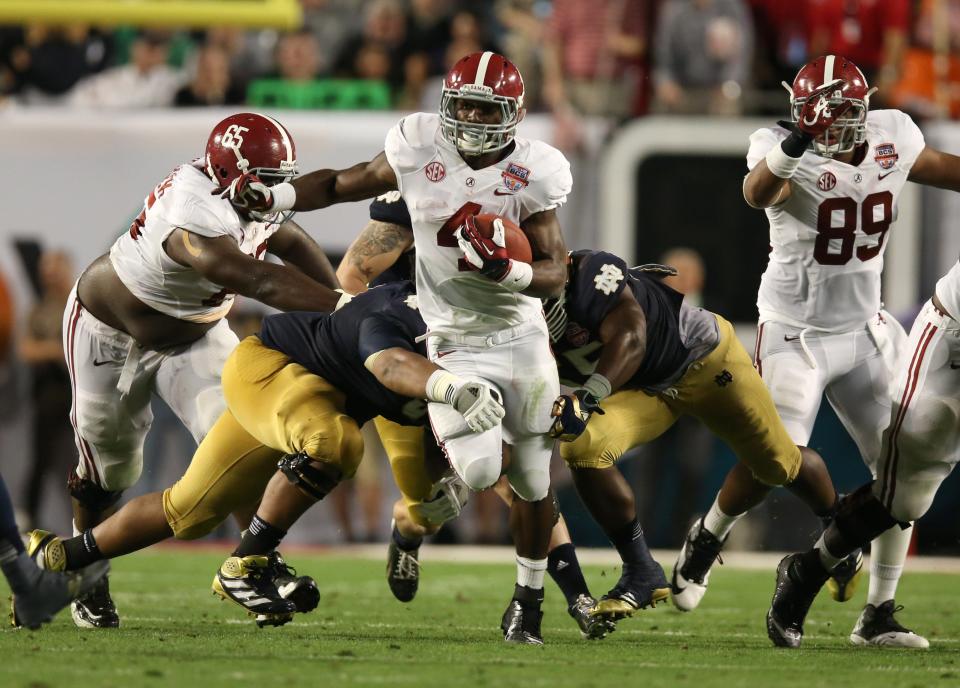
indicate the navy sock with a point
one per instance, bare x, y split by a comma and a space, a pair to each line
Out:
405, 543
259, 538
564, 568
632, 546
8, 524
81, 550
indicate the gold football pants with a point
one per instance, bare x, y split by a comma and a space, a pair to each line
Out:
274, 407
722, 390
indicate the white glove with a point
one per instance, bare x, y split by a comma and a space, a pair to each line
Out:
479, 404
450, 495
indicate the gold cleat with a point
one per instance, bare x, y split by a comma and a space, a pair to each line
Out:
248, 582
625, 604
46, 549
845, 577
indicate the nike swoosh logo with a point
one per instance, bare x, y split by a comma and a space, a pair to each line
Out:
441, 354
791, 337
499, 192
954, 366
883, 176
100, 363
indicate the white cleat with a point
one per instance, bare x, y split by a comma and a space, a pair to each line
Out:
691, 572
878, 627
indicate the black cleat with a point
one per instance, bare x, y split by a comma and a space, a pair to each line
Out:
52, 591
96, 609
637, 589
521, 624
403, 572
795, 591
301, 590
248, 582
691, 572
877, 626
592, 627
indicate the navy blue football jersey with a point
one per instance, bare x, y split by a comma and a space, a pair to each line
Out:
390, 207
596, 281
335, 346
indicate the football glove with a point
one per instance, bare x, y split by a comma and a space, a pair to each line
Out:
450, 494
817, 115
479, 404
571, 413
488, 256
249, 193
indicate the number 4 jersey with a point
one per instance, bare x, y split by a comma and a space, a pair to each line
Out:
827, 239
440, 190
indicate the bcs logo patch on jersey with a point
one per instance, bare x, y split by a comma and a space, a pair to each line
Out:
827, 181
886, 156
516, 177
435, 171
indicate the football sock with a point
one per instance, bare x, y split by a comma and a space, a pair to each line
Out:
632, 546
259, 538
20, 570
828, 560
81, 550
564, 568
531, 572
528, 597
403, 542
888, 552
717, 522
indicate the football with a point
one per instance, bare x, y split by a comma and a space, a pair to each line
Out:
518, 246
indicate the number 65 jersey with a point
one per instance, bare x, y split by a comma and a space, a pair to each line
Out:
440, 191
827, 239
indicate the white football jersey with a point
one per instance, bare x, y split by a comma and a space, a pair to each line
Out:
827, 239
184, 200
440, 190
948, 291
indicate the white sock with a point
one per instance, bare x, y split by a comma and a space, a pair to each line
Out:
717, 522
887, 555
530, 572
828, 560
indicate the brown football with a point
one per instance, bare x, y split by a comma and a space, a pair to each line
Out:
518, 246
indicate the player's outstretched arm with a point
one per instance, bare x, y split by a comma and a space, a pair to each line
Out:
549, 255
294, 246
763, 189
222, 262
379, 246
936, 168
314, 190
624, 336
411, 375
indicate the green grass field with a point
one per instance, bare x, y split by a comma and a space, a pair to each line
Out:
175, 633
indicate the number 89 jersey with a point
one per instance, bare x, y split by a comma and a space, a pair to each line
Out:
827, 239
440, 190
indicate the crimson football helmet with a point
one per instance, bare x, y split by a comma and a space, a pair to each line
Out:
489, 78
248, 142
848, 131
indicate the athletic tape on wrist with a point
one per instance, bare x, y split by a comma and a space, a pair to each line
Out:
441, 386
284, 196
598, 386
518, 277
781, 164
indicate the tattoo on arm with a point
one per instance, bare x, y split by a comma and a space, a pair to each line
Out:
376, 239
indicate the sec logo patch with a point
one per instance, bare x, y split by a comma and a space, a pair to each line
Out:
827, 181
435, 171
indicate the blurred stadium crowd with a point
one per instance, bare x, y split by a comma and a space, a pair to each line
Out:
620, 58
581, 59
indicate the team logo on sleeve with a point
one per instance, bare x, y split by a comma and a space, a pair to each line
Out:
435, 171
827, 181
608, 279
886, 156
515, 177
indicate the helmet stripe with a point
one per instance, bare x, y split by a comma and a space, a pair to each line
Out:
482, 68
287, 146
828, 68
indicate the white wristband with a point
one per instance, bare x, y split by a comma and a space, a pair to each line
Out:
441, 386
781, 164
518, 277
284, 196
598, 386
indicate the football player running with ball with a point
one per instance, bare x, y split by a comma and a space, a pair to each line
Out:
829, 180
148, 317
482, 308
921, 447
638, 358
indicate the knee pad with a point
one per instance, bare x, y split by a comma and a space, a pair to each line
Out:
481, 473
314, 478
531, 485
89, 494
859, 519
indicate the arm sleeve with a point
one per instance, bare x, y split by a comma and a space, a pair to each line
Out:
390, 207
379, 331
761, 141
599, 279
550, 183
